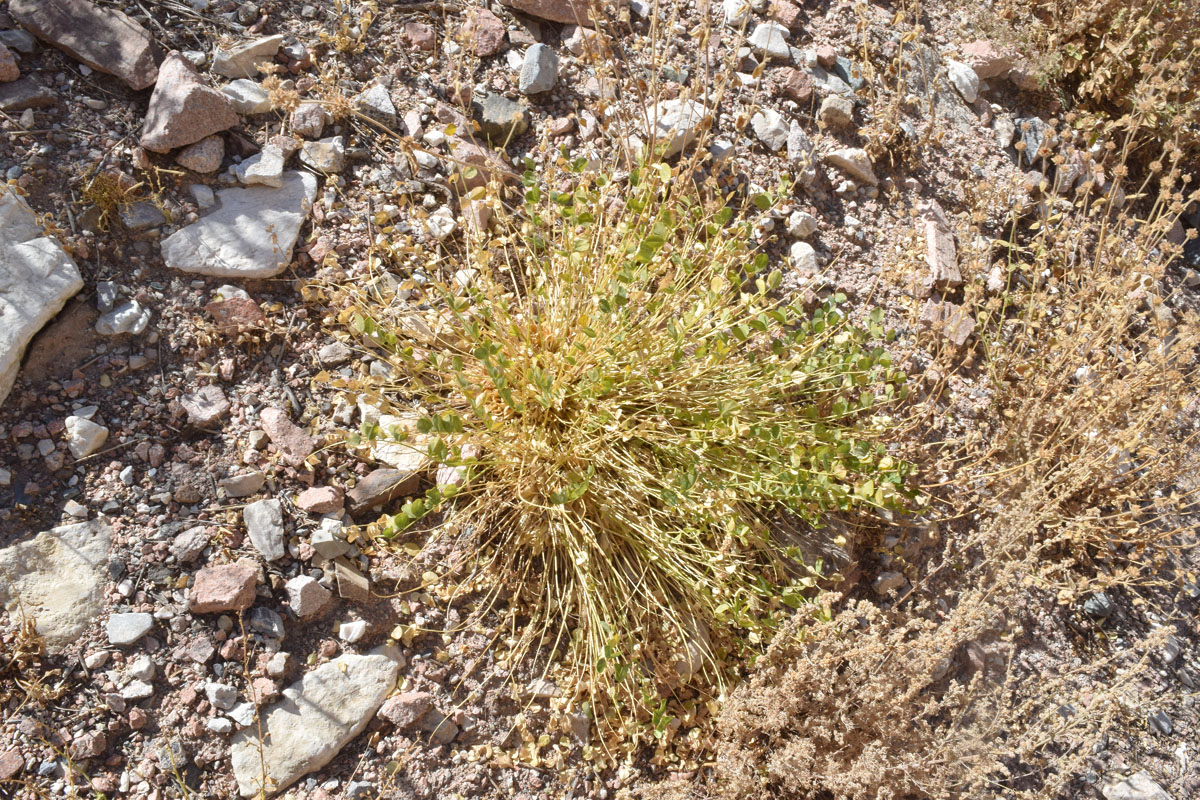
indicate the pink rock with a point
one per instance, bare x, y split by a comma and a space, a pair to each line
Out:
228, 587
103, 38
264, 690
294, 444
420, 36
8, 66
204, 156
403, 710
320, 500
797, 84
555, 10
89, 745
786, 13
205, 405
138, 718
236, 315
11, 763
826, 55
484, 32
983, 57
183, 109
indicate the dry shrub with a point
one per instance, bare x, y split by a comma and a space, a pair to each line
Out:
1129, 66
623, 401
1070, 482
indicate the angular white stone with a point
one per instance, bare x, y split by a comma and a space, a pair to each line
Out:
242, 61
247, 96
123, 629
84, 437
36, 278
249, 235
771, 128
264, 522
803, 258
316, 718
674, 124
855, 162
34, 573
964, 79
770, 39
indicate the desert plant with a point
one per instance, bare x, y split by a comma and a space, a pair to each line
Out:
627, 399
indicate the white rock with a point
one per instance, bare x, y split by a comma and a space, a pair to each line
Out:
316, 718
242, 61
137, 690
801, 224
771, 128
131, 317
770, 39
141, 668
263, 168
306, 596
247, 97
251, 235
84, 437
964, 79
203, 195
220, 695
124, 629
737, 12
34, 581
325, 155
219, 725
264, 522
1139, 786
440, 224
674, 124
243, 714
351, 632
855, 162
328, 539
803, 258
36, 278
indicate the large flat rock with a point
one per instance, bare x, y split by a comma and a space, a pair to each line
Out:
57, 578
317, 717
36, 278
250, 234
103, 38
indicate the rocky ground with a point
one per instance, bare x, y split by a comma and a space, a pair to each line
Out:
170, 514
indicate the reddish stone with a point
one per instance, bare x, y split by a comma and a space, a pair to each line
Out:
138, 718
988, 62
826, 56
183, 109
420, 36
8, 66
265, 690
320, 500
228, 587
89, 745
11, 763
797, 84
484, 32
555, 10
236, 315
560, 126
785, 13
293, 443
403, 710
